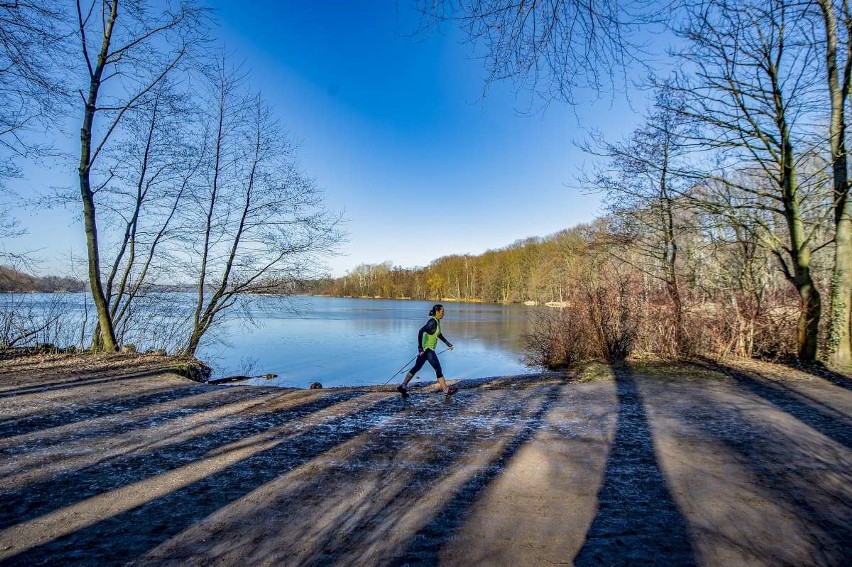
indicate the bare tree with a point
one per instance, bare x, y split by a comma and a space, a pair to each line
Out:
643, 191
256, 220
30, 86
126, 53
152, 167
554, 47
753, 95
31, 96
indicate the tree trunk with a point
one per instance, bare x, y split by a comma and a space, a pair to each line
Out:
193, 343
840, 317
810, 303
106, 340
670, 254
810, 309
839, 342
677, 304
107, 334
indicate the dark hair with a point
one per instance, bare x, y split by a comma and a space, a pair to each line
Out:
435, 308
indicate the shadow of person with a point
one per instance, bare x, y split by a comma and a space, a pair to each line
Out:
637, 522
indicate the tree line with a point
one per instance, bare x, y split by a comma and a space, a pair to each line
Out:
15, 281
530, 270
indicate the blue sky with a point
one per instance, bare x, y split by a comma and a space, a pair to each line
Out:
394, 128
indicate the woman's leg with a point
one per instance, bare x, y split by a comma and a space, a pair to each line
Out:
421, 360
432, 357
436, 364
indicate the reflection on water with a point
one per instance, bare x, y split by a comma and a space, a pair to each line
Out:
340, 341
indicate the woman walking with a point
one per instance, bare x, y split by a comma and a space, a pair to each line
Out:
427, 340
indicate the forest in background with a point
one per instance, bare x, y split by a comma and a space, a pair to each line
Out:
534, 269
735, 298
15, 281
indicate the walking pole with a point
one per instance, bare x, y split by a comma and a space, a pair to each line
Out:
404, 366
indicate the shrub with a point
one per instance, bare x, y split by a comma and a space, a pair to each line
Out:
601, 322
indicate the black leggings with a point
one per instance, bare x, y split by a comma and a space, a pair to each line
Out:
429, 355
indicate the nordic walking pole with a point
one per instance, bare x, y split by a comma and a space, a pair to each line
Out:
404, 366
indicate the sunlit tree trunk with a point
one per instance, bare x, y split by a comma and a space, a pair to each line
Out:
839, 342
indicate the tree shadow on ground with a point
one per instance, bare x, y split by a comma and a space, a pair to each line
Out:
47, 419
145, 527
821, 371
638, 522
425, 545
61, 370
795, 464
807, 410
138, 464
365, 501
116, 418
390, 476
71, 383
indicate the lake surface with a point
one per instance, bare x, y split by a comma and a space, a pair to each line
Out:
302, 339
342, 341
